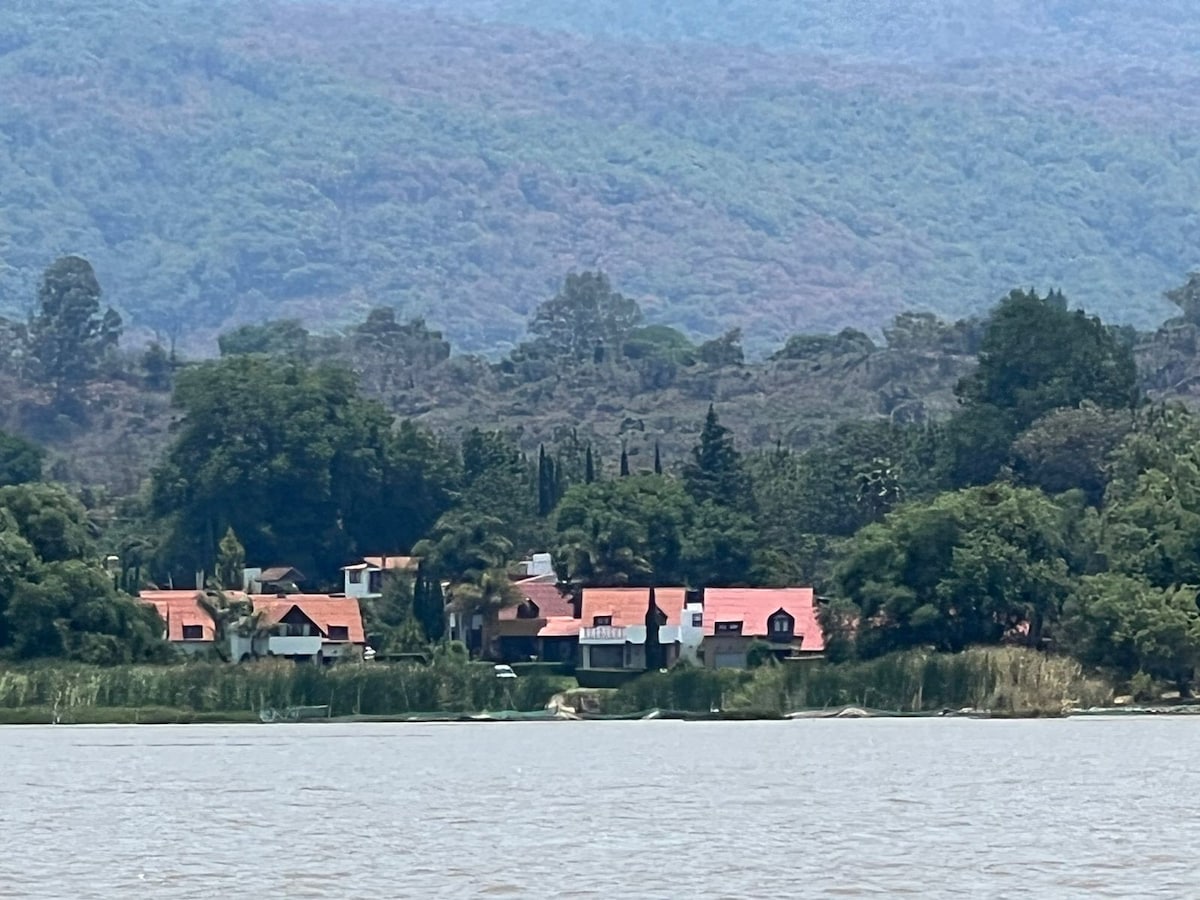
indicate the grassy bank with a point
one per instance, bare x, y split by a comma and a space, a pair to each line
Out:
1003, 680
216, 692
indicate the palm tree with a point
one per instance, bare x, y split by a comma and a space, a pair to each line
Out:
469, 549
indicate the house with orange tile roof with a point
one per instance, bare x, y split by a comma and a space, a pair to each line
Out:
303, 627
615, 627
524, 632
734, 618
187, 624
321, 628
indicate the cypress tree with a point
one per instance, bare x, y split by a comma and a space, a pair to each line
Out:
624, 462
654, 659
589, 466
545, 483
428, 606
657, 460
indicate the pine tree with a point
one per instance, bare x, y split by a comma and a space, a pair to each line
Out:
715, 473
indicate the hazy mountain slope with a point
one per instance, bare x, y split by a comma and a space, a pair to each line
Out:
933, 32
229, 162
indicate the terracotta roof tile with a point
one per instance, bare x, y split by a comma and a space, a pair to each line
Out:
547, 597
179, 608
754, 606
325, 611
627, 606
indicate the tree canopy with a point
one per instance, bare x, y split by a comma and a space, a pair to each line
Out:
300, 465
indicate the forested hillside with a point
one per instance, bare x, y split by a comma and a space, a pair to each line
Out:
777, 167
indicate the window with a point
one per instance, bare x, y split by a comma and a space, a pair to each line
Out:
356, 576
374, 582
781, 625
193, 632
728, 628
697, 620
339, 632
597, 621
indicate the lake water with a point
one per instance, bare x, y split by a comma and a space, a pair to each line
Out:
922, 807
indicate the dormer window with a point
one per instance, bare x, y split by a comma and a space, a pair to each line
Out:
193, 632
597, 621
355, 576
697, 620
728, 628
781, 625
527, 610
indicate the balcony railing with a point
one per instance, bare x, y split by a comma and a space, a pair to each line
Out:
294, 646
603, 634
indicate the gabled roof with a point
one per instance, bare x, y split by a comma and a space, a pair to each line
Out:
323, 609
753, 607
627, 606
179, 608
550, 602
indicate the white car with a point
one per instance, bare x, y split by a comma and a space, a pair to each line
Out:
503, 671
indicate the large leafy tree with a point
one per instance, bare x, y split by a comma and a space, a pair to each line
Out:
1068, 449
584, 316
20, 460
965, 568
498, 478
1123, 623
627, 531
1151, 516
55, 600
54, 522
303, 468
70, 334
1036, 356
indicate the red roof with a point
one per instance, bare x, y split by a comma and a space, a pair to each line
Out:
627, 606
560, 626
179, 608
754, 606
550, 602
323, 609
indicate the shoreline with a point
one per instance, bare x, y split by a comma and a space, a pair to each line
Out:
41, 715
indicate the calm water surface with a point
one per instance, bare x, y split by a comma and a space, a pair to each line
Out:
932, 808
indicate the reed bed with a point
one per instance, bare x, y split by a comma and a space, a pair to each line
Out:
376, 689
1001, 680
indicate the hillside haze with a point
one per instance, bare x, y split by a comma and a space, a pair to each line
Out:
780, 167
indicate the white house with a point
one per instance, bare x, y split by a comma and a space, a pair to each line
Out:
613, 627
365, 578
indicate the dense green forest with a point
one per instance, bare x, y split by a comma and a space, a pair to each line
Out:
777, 167
1055, 507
